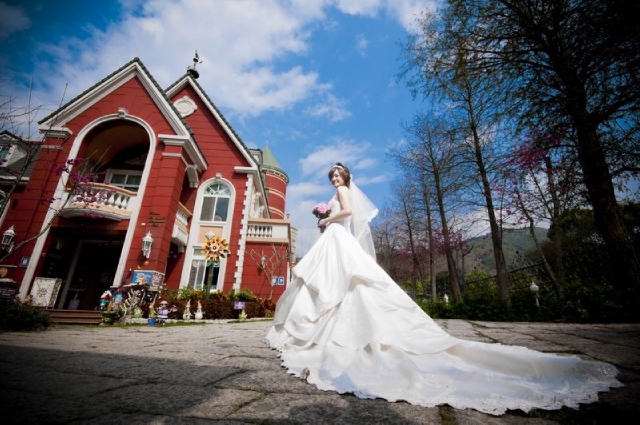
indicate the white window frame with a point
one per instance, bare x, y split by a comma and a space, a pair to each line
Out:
6, 152
201, 273
229, 197
194, 251
113, 171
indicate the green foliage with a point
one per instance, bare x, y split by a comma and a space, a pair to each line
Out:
475, 309
437, 309
596, 303
242, 295
15, 316
218, 305
189, 294
480, 287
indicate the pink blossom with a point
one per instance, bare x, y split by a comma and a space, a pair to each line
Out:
321, 210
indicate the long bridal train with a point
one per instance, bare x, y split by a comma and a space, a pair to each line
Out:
345, 323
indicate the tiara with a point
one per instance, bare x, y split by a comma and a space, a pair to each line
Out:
337, 166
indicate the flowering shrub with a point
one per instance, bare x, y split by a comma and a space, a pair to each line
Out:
17, 316
218, 305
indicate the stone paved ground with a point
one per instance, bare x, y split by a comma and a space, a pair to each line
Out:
223, 373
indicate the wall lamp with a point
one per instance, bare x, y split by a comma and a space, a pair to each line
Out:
263, 261
7, 239
146, 245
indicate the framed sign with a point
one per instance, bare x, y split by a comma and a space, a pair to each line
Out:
147, 277
45, 291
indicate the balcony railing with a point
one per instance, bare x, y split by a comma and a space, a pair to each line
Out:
268, 230
180, 233
100, 200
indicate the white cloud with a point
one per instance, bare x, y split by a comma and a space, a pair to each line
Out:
332, 108
244, 56
248, 61
407, 11
12, 19
361, 44
347, 151
359, 7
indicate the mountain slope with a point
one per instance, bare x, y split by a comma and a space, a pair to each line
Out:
513, 241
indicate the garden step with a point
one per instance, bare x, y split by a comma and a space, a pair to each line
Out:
75, 317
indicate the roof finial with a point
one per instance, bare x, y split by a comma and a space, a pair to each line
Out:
192, 69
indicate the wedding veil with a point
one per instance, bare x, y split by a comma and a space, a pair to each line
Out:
362, 212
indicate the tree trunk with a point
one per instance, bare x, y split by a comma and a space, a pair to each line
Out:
502, 278
451, 264
415, 261
597, 179
558, 278
432, 260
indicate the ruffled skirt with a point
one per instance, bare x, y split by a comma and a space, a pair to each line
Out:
346, 326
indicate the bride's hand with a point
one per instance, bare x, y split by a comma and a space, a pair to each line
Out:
323, 223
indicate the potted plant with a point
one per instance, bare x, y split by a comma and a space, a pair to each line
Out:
153, 315
110, 314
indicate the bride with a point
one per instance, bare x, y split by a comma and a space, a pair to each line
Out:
346, 326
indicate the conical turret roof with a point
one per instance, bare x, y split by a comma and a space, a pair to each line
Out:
270, 162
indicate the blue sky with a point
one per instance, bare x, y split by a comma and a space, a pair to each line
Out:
315, 80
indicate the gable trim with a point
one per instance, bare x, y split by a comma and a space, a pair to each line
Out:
217, 115
133, 69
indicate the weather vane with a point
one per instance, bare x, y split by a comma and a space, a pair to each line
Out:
192, 69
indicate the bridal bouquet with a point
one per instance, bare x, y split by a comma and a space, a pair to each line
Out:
321, 211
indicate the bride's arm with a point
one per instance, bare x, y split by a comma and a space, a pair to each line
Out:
345, 207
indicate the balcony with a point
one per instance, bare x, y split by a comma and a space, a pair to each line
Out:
265, 230
180, 233
101, 201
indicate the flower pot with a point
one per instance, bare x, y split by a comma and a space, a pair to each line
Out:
109, 317
151, 321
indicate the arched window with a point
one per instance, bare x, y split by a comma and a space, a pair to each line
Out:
215, 204
215, 213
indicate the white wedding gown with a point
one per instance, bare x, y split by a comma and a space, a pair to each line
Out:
347, 326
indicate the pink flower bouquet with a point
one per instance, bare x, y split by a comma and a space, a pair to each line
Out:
321, 211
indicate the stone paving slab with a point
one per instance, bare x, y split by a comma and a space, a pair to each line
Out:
223, 373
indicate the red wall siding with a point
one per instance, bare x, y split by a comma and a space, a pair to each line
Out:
222, 156
256, 280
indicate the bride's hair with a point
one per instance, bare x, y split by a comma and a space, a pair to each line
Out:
343, 171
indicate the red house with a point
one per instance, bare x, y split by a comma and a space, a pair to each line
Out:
130, 181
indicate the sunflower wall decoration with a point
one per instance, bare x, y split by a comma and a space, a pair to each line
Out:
214, 249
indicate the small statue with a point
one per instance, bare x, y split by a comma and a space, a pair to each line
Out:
187, 311
163, 312
199, 315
